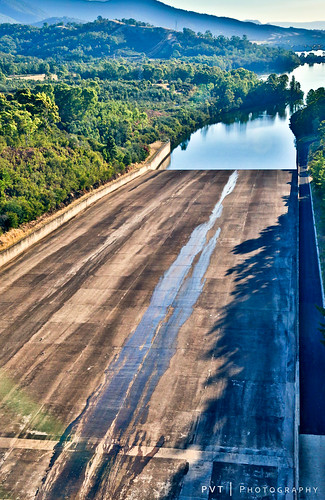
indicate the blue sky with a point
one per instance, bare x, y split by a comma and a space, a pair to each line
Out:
263, 10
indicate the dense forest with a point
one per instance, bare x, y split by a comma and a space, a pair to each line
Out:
30, 46
309, 124
307, 121
57, 139
67, 134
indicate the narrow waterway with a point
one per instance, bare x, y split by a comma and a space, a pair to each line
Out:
310, 77
247, 140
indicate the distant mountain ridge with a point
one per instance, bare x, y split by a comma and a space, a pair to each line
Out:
21, 11
6, 19
159, 14
133, 40
312, 25
57, 20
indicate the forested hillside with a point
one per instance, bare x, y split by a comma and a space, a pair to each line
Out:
58, 140
307, 120
111, 39
309, 124
160, 14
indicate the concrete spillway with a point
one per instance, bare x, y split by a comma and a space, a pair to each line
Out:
149, 346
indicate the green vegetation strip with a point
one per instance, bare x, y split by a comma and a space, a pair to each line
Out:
308, 125
61, 139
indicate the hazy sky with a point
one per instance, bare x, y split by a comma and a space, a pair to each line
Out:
263, 10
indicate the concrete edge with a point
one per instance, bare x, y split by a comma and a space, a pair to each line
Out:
38, 233
317, 245
312, 453
300, 436
297, 368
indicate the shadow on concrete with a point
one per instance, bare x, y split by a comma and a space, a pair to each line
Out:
256, 338
255, 348
312, 353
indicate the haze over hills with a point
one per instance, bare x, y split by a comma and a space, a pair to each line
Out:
158, 14
114, 39
6, 19
21, 11
313, 25
57, 20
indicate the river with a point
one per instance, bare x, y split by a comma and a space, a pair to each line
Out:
251, 141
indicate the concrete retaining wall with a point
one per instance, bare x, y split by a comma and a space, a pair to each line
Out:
64, 216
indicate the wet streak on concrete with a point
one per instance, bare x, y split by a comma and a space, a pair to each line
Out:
135, 374
220, 388
255, 416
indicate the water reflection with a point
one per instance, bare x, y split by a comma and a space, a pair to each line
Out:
184, 144
244, 140
252, 140
310, 77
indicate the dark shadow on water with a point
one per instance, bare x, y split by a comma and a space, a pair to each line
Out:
184, 145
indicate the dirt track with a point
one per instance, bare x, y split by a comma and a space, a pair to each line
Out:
151, 342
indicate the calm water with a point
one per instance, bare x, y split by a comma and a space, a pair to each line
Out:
253, 141
310, 77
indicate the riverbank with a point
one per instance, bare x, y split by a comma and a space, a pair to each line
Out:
16, 241
311, 353
319, 213
305, 156
318, 209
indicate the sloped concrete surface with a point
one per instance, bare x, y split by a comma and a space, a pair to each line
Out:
150, 344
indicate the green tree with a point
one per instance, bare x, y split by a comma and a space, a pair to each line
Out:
111, 150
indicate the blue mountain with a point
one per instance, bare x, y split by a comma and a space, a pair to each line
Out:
158, 14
